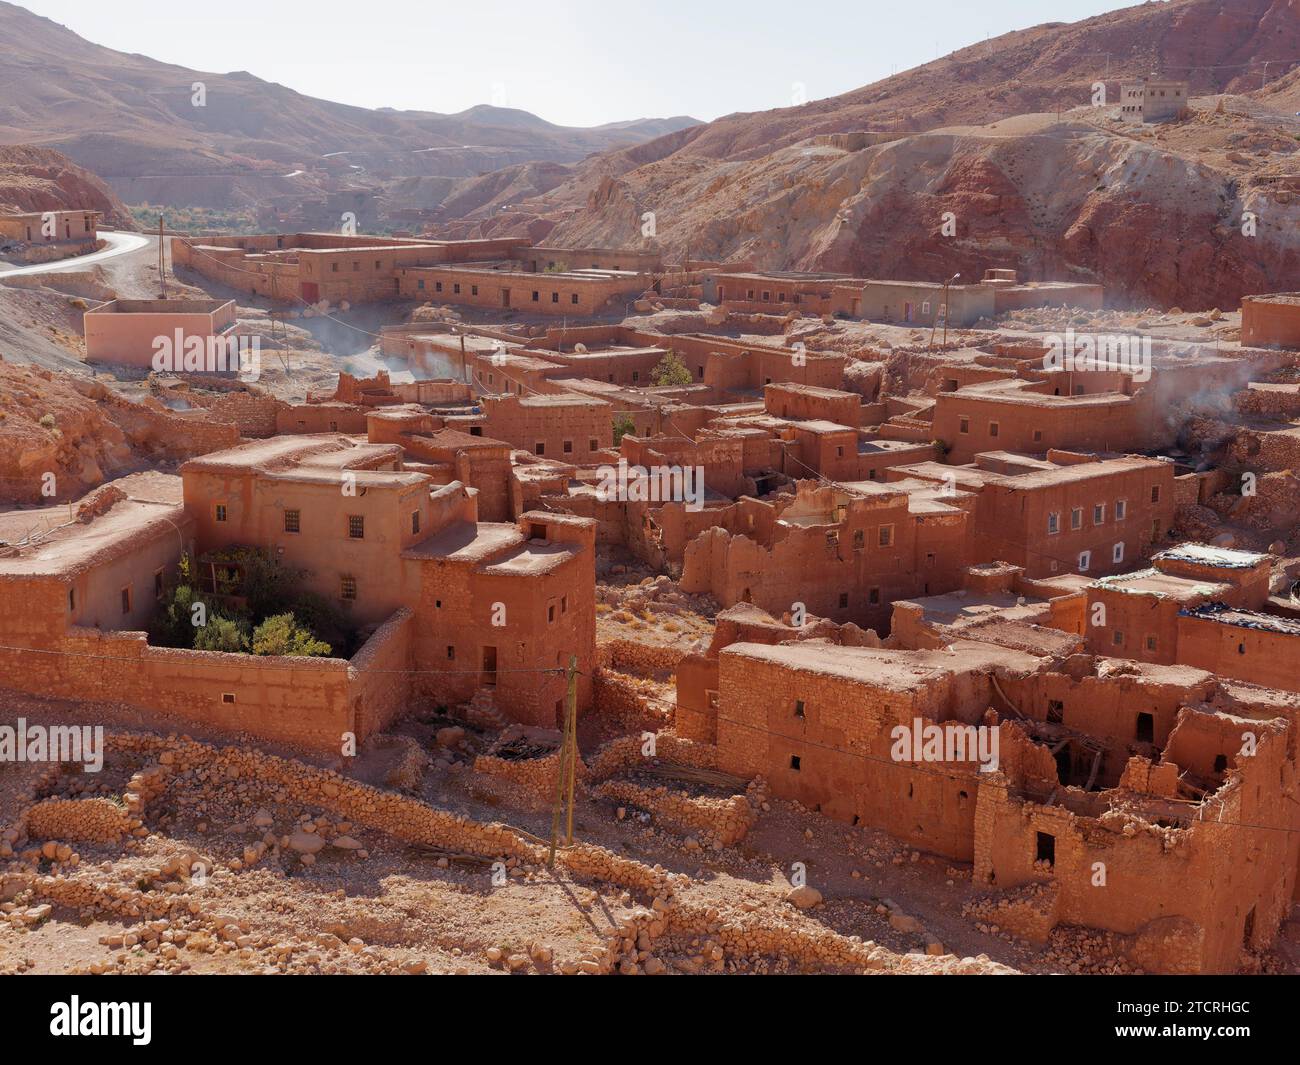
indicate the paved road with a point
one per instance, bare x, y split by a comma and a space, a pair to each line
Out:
118, 244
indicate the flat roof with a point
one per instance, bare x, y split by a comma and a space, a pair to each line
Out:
1246, 619
74, 547
1154, 582
898, 670
1209, 555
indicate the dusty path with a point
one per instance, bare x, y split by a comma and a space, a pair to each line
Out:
118, 244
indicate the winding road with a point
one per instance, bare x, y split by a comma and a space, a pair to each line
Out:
118, 244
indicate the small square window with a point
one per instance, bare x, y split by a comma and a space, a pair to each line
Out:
1121, 509
227, 697
844, 600
963, 425
540, 448
1099, 514
537, 296
993, 428
798, 708
794, 762
550, 613
1155, 493
451, 653
347, 588
873, 596
220, 512
574, 299
1151, 643
1053, 524
1117, 553
593, 444
886, 536
1118, 638
568, 447
1076, 518
292, 521
415, 522
356, 526
473, 290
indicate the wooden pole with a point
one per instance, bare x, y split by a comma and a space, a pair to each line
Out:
571, 720
162, 257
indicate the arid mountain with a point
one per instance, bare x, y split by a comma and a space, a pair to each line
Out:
1152, 213
41, 179
134, 121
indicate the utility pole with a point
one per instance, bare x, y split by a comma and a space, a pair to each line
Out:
162, 257
566, 770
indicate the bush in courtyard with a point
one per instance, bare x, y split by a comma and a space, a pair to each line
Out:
282, 635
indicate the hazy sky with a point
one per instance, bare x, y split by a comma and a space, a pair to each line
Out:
575, 62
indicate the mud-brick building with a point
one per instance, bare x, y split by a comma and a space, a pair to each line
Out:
1067, 513
1140, 615
1124, 798
845, 552
446, 604
1271, 321
50, 227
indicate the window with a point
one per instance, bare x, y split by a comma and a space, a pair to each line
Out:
1146, 730
415, 523
227, 697
564, 604
1121, 509
1155, 493
1118, 638
334, 268
356, 527
72, 599
858, 540
292, 521
1045, 848
873, 596
767, 296
844, 600
993, 428
219, 512
555, 297
574, 299
593, 444
539, 448
1085, 560
158, 585
568, 447
455, 289
1053, 524
451, 653
537, 296
356, 266
347, 588
1099, 514
963, 425
636, 376
798, 708
886, 536
1076, 518
794, 762
473, 290
437, 286
1117, 553
550, 613
420, 284
1038, 436
378, 265
1151, 643
126, 600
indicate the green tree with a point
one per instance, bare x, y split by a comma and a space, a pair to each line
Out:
281, 635
623, 425
671, 371
221, 634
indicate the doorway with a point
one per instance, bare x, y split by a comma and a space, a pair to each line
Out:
489, 667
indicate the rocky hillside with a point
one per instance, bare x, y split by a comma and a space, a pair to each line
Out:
40, 179
1153, 214
132, 120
